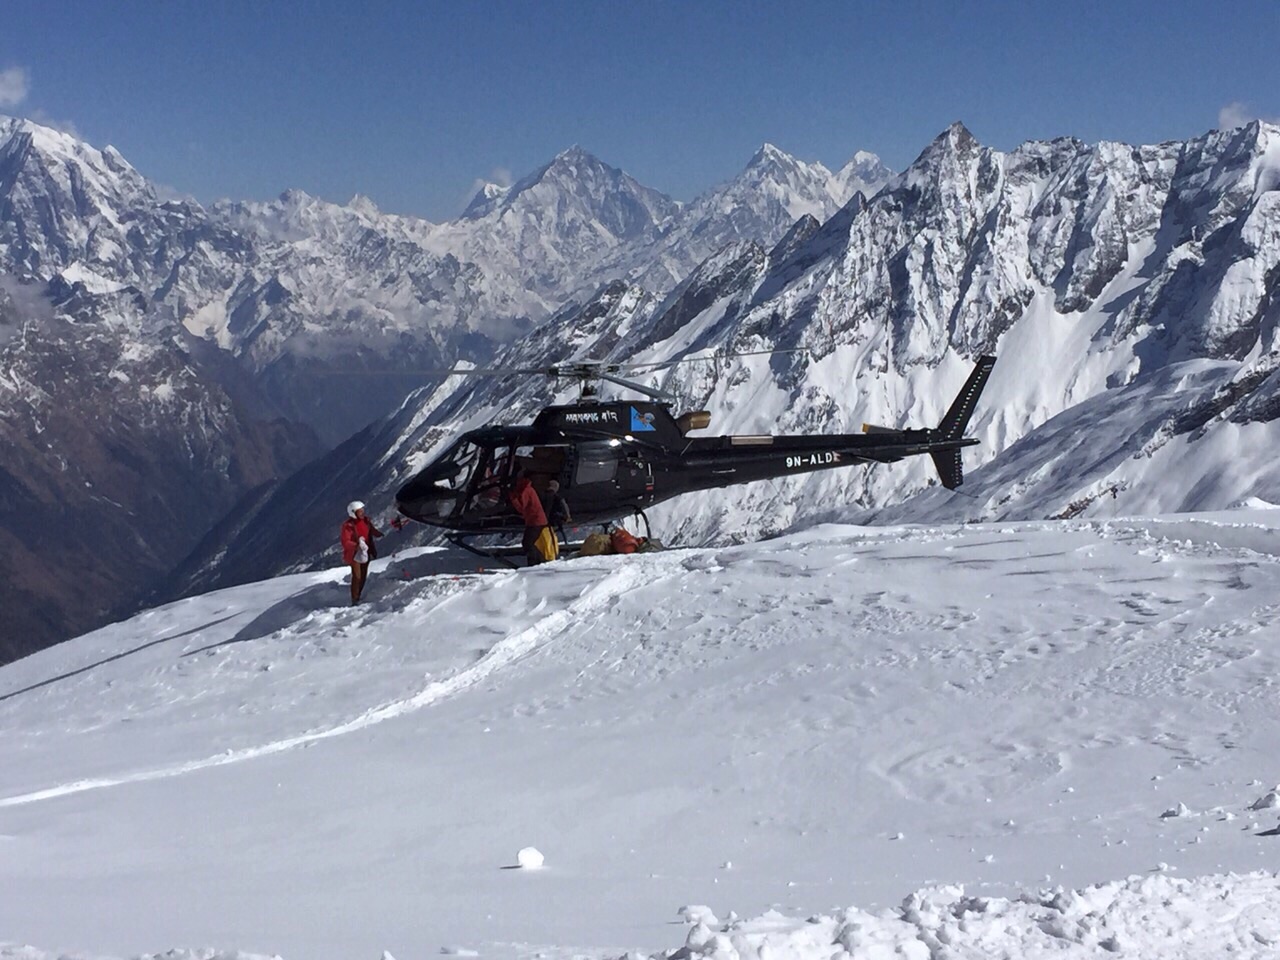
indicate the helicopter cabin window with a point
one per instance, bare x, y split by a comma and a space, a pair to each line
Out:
541, 463
493, 475
597, 462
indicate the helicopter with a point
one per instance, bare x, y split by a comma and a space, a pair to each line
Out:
615, 458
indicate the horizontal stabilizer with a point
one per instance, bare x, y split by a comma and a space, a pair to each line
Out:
872, 428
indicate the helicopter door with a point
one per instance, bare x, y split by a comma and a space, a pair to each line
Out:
626, 474
597, 462
491, 481
634, 479
542, 464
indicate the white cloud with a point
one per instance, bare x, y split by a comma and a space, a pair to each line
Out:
167, 192
499, 175
13, 86
1237, 114
62, 126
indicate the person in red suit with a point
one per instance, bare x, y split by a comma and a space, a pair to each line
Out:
357, 536
539, 544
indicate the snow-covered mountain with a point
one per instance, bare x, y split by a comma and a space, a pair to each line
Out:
1131, 294
561, 231
1089, 270
760, 204
300, 290
118, 449
769, 727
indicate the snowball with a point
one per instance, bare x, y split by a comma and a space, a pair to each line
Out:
530, 858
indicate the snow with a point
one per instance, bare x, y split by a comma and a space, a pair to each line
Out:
93, 281
1152, 917
993, 716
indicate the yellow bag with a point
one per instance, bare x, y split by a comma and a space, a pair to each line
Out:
546, 544
596, 545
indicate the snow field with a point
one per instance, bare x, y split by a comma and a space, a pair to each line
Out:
1158, 918
843, 715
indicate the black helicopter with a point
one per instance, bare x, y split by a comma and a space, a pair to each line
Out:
613, 459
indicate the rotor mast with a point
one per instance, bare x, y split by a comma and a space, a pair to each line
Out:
589, 373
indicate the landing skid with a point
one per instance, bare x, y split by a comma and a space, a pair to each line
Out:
501, 554
504, 554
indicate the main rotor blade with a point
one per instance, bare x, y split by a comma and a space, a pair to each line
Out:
567, 370
440, 372
661, 364
638, 387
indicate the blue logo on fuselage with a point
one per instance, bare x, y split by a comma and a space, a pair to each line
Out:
641, 421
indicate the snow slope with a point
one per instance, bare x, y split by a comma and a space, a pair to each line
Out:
842, 715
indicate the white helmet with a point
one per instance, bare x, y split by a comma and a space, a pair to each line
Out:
353, 506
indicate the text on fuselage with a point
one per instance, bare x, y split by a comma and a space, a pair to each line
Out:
812, 460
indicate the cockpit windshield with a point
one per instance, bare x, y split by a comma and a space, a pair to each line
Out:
453, 468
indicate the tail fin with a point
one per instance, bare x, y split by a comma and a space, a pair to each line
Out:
950, 468
957, 418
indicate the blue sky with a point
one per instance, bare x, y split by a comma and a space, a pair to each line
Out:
412, 103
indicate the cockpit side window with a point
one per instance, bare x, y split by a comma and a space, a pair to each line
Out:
492, 480
597, 462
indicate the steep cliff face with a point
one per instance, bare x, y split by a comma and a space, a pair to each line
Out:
116, 454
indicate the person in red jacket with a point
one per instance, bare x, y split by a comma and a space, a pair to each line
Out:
539, 542
358, 534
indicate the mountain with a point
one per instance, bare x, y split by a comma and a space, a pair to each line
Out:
578, 224
760, 204
1130, 293
305, 293
116, 454
863, 174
